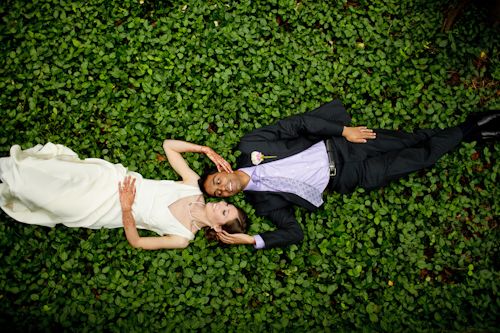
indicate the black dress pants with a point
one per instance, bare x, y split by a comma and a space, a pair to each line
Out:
392, 155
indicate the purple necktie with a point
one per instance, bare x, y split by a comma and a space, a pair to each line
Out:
283, 184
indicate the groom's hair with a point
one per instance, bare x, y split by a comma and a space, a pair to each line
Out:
203, 178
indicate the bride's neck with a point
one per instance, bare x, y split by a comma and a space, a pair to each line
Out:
198, 214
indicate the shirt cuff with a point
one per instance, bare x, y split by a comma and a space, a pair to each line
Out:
259, 242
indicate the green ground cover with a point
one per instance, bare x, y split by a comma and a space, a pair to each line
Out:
112, 79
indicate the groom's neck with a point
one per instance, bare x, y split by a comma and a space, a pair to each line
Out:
243, 177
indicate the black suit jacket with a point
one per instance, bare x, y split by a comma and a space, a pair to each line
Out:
288, 137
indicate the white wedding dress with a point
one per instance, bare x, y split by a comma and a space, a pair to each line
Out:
48, 185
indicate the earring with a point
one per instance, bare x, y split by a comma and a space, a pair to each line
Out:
211, 227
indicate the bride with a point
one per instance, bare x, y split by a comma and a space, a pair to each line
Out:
47, 185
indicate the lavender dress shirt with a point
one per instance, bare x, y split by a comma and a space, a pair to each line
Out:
310, 166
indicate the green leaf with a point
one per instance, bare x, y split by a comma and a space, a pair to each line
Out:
331, 289
156, 90
197, 279
188, 272
371, 308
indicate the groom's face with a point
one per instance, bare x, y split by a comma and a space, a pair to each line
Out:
223, 184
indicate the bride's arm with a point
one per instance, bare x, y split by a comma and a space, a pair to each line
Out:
173, 150
127, 196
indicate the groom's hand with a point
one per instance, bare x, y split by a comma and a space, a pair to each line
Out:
358, 134
228, 238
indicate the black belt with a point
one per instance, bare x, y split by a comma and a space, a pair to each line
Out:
331, 157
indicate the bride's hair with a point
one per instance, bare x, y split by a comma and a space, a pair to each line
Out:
236, 226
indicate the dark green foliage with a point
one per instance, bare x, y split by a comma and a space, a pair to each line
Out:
112, 79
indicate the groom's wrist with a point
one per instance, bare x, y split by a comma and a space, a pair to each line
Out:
259, 242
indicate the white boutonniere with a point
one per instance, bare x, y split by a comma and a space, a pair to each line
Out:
258, 157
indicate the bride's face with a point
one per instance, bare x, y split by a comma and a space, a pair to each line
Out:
220, 213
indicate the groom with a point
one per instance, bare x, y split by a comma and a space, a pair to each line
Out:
293, 161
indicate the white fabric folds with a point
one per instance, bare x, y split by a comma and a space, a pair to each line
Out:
47, 185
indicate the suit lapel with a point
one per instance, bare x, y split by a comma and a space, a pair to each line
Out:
278, 148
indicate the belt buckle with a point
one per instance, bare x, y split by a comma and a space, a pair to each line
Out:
333, 172
331, 158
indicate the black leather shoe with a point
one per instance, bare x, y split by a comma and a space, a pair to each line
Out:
490, 135
484, 118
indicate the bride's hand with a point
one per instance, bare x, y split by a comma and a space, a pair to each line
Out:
222, 164
127, 193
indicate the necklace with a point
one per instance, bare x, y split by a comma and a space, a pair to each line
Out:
189, 211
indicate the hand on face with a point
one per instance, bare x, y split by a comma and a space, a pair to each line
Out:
235, 238
220, 163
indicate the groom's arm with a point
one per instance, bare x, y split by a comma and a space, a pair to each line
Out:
294, 127
289, 232
307, 125
327, 120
